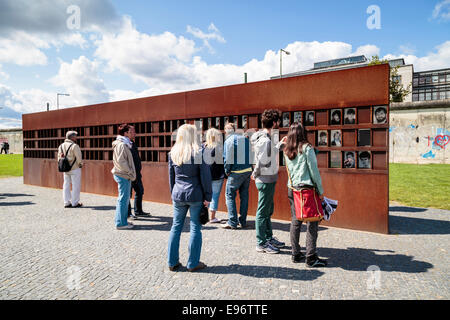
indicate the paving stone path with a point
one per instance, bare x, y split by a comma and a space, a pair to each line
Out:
48, 252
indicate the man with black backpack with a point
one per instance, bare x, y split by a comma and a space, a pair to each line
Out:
70, 162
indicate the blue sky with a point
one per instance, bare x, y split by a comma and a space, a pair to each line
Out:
253, 27
128, 49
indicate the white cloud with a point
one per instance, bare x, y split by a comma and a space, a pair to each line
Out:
23, 49
25, 101
27, 49
166, 63
214, 34
76, 40
368, 50
150, 58
3, 75
81, 80
438, 59
442, 11
50, 16
29, 28
118, 95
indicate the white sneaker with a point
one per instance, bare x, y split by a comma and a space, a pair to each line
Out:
215, 220
127, 227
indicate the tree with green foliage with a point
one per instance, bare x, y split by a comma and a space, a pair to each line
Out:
396, 90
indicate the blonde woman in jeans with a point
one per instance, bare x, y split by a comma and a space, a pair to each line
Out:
190, 186
213, 155
301, 163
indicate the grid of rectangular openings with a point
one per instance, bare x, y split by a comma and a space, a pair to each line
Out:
355, 140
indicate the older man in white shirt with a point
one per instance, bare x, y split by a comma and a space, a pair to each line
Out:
71, 150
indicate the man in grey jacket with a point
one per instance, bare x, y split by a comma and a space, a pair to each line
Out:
124, 173
265, 174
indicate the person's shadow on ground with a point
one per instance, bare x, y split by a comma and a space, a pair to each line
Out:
360, 259
12, 195
413, 225
268, 272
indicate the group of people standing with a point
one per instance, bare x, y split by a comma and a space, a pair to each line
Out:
126, 172
196, 176
197, 173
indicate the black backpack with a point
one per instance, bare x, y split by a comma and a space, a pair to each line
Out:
63, 163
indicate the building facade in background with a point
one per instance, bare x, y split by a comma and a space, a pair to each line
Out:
431, 85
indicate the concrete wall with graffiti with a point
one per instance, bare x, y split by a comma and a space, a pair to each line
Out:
419, 136
15, 139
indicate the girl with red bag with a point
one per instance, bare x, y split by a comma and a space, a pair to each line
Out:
305, 193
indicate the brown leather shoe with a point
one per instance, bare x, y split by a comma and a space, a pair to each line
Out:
175, 267
200, 266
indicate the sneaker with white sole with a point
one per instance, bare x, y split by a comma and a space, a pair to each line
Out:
215, 220
277, 244
315, 262
127, 227
267, 248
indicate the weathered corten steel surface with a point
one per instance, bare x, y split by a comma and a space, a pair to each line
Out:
362, 195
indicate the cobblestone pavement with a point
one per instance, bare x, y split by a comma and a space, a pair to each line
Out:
48, 252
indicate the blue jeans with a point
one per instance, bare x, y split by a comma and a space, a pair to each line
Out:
235, 182
195, 242
124, 187
216, 189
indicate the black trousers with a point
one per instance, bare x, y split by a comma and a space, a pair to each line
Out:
296, 225
138, 188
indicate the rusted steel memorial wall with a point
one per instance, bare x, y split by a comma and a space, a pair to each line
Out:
361, 94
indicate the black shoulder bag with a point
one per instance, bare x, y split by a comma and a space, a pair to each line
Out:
63, 163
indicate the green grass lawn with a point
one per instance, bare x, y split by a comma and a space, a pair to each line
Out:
11, 165
424, 185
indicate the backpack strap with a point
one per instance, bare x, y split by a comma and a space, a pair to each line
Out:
65, 155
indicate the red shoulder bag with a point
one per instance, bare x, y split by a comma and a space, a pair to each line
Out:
308, 206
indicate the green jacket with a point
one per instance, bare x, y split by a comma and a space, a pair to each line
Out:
303, 169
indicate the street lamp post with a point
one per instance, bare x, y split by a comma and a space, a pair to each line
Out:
281, 61
57, 98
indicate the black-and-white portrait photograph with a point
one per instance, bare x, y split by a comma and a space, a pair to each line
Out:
298, 117
364, 159
285, 120
349, 159
349, 116
322, 138
244, 122
309, 118
379, 115
335, 159
217, 122
226, 120
336, 138
335, 116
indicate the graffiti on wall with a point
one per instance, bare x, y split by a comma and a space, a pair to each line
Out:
410, 140
437, 142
